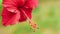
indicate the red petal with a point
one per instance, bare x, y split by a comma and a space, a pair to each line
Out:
9, 17
31, 3
10, 5
23, 17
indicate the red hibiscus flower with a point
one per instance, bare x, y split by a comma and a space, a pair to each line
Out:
17, 11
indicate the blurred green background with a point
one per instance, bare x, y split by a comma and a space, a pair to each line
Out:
46, 16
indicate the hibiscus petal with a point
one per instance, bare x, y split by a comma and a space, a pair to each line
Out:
14, 18
11, 5
31, 3
10, 18
28, 11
